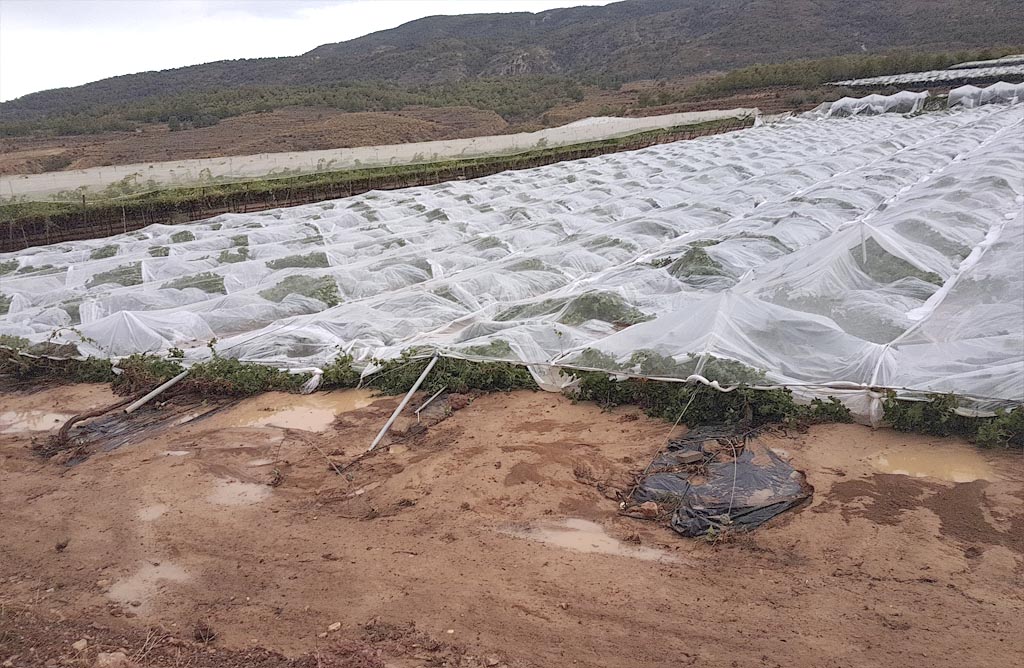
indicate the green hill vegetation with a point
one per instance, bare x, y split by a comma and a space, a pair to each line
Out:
521, 64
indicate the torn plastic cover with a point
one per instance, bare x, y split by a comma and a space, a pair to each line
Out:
719, 480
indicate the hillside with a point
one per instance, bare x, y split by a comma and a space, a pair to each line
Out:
650, 39
625, 41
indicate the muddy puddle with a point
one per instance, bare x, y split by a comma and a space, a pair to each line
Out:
146, 583
313, 412
13, 422
588, 537
940, 461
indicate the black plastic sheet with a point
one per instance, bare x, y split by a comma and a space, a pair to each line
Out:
719, 480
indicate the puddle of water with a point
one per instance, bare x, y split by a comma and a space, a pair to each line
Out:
235, 493
146, 583
943, 462
150, 513
585, 536
311, 412
13, 422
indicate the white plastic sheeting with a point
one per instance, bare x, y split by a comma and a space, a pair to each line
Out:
1016, 59
870, 251
100, 182
937, 76
997, 93
904, 102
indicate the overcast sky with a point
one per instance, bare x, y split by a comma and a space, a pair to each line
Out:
56, 43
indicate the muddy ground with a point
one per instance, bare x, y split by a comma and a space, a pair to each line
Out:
492, 538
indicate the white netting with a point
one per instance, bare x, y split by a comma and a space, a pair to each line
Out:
904, 102
998, 93
872, 251
937, 76
1016, 59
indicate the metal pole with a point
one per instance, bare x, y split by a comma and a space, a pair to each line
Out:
401, 406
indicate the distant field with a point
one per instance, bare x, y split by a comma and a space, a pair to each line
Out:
292, 129
269, 119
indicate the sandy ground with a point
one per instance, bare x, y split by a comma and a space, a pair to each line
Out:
475, 542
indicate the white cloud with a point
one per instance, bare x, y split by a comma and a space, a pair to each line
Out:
56, 43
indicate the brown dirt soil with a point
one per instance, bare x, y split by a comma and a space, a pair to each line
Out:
421, 554
291, 129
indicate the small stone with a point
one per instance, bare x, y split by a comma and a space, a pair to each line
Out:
492, 661
450, 631
688, 456
80, 645
649, 510
103, 584
112, 660
9, 663
135, 604
334, 627
322, 635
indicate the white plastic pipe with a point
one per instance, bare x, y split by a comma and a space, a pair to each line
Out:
429, 401
130, 408
401, 406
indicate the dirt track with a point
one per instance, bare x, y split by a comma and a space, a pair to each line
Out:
133, 547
